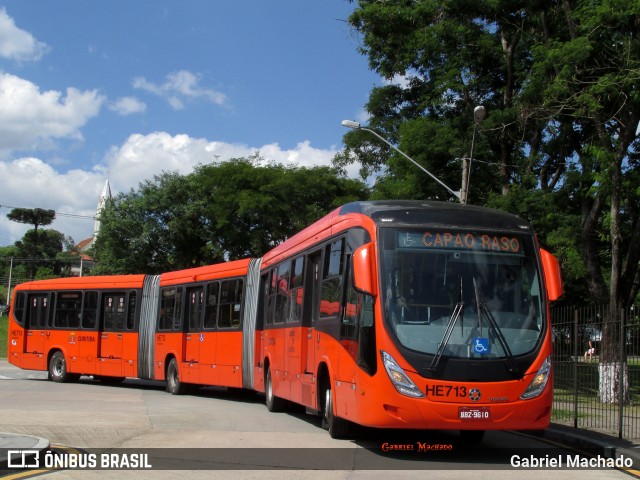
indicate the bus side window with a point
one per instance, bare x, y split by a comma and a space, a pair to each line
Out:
230, 303
332, 280
90, 310
177, 318
68, 308
270, 282
131, 310
167, 307
282, 293
18, 307
211, 306
296, 291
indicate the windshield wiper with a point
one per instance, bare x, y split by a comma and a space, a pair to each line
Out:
459, 307
512, 367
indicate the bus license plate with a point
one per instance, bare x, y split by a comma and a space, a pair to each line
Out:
474, 413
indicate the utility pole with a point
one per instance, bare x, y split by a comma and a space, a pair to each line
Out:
9, 286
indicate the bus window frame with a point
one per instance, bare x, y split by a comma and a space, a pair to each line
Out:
60, 298
232, 327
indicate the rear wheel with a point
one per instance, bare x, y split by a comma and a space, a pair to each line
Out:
338, 427
58, 369
174, 385
274, 404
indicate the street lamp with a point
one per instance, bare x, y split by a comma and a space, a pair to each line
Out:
357, 126
478, 116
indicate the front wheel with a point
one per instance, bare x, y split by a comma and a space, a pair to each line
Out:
274, 404
338, 427
58, 369
174, 385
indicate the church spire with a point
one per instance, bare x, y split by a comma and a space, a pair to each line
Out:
104, 196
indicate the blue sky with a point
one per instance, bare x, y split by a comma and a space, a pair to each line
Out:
127, 89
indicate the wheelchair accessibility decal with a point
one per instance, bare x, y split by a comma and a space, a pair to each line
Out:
481, 346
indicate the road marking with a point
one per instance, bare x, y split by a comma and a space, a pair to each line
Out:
2, 377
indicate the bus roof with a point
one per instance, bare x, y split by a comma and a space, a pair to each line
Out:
445, 214
210, 272
396, 213
75, 283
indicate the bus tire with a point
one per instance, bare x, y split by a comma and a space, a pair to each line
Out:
338, 427
274, 404
472, 436
174, 385
58, 369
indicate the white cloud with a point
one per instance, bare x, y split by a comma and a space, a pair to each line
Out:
31, 183
179, 87
30, 118
143, 156
16, 44
128, 106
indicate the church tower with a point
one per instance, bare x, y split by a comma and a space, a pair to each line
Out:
102, 201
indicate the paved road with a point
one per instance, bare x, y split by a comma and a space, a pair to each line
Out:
233, 429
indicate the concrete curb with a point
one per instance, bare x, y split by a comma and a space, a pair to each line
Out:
10, 442
604, 445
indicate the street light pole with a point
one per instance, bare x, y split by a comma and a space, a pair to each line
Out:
478, 116
357, 126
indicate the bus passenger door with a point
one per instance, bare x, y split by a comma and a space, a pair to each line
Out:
311, 310
193, 333
37, 314
111, 336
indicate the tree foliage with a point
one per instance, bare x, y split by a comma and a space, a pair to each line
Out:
51, 257
222, 211
560, 82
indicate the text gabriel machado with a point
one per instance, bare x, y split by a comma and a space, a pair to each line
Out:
570, 461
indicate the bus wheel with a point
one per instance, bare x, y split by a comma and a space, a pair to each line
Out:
472, 436
338, 427
274, 404
174, 385
58, 369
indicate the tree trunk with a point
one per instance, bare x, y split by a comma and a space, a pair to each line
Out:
612, 385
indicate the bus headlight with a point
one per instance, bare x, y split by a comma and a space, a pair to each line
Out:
536, 387
400, 380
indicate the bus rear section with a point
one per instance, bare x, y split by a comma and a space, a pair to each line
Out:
75, 326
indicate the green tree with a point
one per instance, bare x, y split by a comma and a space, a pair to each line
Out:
45, 258
33, 216
220, 212
560, 81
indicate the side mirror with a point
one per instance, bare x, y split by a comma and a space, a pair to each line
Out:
365, 275
552, 275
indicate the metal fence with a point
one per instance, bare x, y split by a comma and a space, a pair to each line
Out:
597, 369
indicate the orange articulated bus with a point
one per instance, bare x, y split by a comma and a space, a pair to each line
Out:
398, 314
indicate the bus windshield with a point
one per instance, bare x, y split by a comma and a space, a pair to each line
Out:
461, 294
